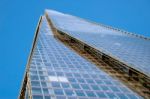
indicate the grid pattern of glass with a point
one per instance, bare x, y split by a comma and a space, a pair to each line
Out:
56, 72
129, 49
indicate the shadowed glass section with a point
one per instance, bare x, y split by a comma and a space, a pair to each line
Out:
58, 72
127, 48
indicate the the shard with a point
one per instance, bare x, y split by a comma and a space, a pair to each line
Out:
72, 58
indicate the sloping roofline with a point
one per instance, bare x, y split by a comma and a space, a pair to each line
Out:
107, 26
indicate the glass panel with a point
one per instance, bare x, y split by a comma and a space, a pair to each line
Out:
36, 90
55, 84
101, 95
80, 93
35, 83
69, 92
45, 91
90, 94
37, 97
75, 86
47, 97
58, 92
65, 85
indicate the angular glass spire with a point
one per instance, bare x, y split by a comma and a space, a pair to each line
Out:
127, 48
57, 72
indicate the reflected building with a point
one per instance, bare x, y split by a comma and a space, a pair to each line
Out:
72, 58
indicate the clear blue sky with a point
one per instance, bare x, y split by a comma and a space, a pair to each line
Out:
18, 20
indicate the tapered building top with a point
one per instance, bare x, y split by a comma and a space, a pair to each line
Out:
72, 58
131, 49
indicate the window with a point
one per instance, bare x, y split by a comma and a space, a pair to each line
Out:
55, 84
111, 95
47, 97
59, 73
102, 76
63, 79
60, 97
51, 73
90, 94
107, 82
37, 97
36, 90
99, 81
43, 84
58, 79
121, 96
43, 78
41, 72
75, 86
89, 81
45, 91
86, 76
80, 93
104, 88
115, 89
34, 77
53, 78
81, 80
72, 80
58, 92
69, 92
65, 85
101, 95
85, 86
95, 87
77, 75
33, 72
35, 83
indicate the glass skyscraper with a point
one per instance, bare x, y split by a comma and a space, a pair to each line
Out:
55, 70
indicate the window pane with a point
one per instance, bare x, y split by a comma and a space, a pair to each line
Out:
80, 93
45, 91
65, 85
75, 86
36, 90
90, 94
58, 92
95, 87
55, 84
101, 95
69, 92
47, 97
37, 97
35, 83
85, 86
34, 78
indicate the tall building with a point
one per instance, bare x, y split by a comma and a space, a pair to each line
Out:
72, 58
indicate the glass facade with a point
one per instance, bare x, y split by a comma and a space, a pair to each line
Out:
127, 48
57, 72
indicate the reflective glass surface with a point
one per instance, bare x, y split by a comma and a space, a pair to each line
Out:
127, 48
58, 72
